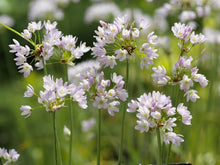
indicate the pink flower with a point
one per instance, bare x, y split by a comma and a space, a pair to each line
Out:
25, 69
197, 38
186, 117
29, 92
172, 137
26, 110
181, 31
186, 83
191, 95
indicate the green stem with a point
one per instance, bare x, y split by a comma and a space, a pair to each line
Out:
45, 67
168, 153
99, 137
159, 147
71, 122
123, 117
163, 151
55, 137
71, 134
19, 34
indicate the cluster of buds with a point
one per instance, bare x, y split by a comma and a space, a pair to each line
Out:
183, 75
8, 157
105, 94
54, 95
155, 110
118, 40
48, 42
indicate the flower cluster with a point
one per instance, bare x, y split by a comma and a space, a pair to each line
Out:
187, 36
8, 157
105, 94
47, 41
183, 75
155, 110
53, 96
193, 10
118, 41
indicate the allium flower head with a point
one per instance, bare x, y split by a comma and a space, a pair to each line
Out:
9, 157
155, 110
54, 93
118, 41
187, 37
105, 94
47, 42
183, 75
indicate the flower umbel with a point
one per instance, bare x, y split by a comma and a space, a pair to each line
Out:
105, 94
118, 41
155, 110
48, 44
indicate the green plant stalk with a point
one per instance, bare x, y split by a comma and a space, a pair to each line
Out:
160, 161
168, 154
123, 116
71, 134
71, 121
176, 102
19, 34
55, 137
45, 67
99, 136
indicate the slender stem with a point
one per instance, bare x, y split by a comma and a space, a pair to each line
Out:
45, 67
14, 31
71, 122
99, 136
168, 154
163, 151
159, 147
175, 104
55, 137
123, 117
71, 133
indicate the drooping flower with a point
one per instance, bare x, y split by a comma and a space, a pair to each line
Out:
29, 92
26, 110
173, 138
66, 131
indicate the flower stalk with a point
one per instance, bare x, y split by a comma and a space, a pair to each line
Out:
123, 115
160, 161
99, 136
19, 34
55, 137
71, 121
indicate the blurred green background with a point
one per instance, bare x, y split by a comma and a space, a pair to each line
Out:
33, 137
